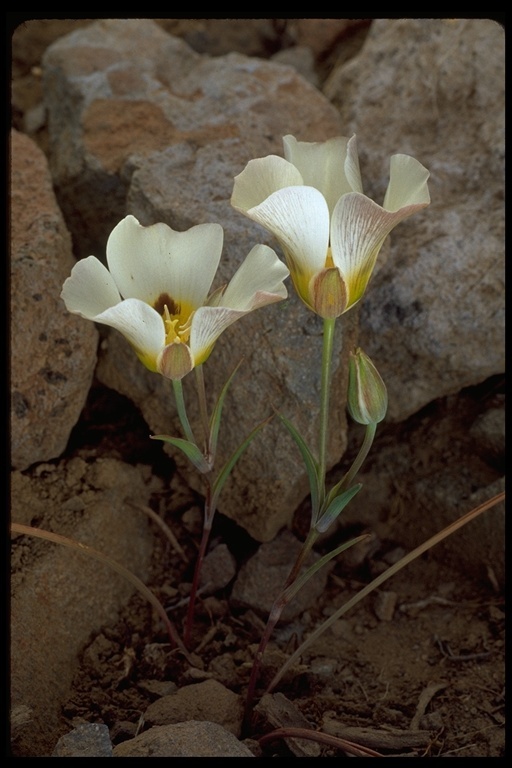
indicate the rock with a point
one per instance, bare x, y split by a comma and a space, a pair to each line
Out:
301, 58
320, 35
263, 575
277, 711
190, 739
135, 115
216, 37
60, 596
86, 740
433, 317
52, 353
218, 569
488, 433
207, 701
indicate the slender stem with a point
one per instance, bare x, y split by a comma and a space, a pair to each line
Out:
201, 394
182, 411
275, 614
273, 618
328, 337
364, 450
209, 513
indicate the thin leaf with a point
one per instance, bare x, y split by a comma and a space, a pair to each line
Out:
217, 413
228, 466
306, 576
85, 549
335, 507
310, 464
190, 450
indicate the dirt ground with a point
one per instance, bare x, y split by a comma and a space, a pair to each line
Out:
425, 679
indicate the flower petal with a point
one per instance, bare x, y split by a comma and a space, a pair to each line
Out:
90, 289
407, 184
299, 218
207, 325
141, 325
358, 230
260, 178
323, 165
352, 171
150, 262
258, 281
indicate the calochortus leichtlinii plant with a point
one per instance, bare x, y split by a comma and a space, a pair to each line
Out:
156, 292
330, 233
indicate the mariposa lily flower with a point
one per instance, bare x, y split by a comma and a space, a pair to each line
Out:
155, 291
331, 233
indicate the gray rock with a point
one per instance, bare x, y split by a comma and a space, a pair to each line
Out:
219, 567
136, 116
86, 740
52, 354
190, 739
433, 317
263, 575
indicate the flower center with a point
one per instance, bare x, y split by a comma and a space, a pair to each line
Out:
176, 330
177, 319
329, 263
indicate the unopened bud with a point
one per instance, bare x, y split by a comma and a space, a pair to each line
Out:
367, 400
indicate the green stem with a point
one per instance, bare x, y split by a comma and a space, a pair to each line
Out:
201, 394
347, 480
328, 337
182, 411
369, 436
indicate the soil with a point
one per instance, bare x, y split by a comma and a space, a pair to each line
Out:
423, 659
424, 656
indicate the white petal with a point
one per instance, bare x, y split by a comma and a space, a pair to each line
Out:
299, 218
90, 289
352, 171
322, 165
359, 228
407, 183
140, 324
258, 281
147, 262
260, 178
207, 325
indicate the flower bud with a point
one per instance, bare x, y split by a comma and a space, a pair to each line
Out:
367, 400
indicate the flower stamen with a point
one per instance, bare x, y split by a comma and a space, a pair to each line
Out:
175, 330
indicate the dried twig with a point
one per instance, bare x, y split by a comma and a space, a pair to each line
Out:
322, 738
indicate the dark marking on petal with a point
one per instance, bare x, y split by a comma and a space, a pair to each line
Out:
164, 300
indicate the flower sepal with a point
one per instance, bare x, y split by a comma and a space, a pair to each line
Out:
367, 400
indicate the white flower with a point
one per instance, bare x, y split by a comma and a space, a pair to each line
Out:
330, 232
155, 291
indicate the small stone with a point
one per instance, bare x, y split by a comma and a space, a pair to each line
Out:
86, 740
385, 604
